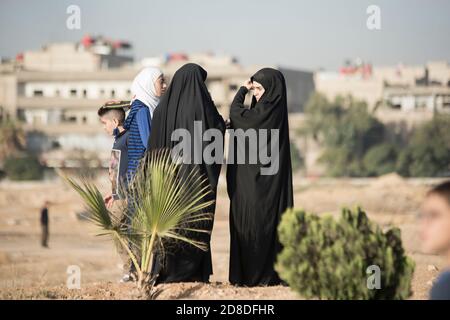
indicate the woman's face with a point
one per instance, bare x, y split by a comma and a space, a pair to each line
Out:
435, 225
258, 90
160, 86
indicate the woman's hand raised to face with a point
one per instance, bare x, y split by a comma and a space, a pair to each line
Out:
248, 84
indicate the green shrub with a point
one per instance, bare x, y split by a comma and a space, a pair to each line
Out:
428, 153
380, 159
346, 129
296, 158
23, 168
328, 259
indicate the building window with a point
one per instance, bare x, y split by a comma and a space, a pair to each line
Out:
233, 87
102, 92
84, 93
21, 114
71, 119
446, 102
68, 118
57, 93
56, 144
73, 92
113, 93
38, 93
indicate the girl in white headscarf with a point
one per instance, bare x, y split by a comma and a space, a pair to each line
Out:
148, 87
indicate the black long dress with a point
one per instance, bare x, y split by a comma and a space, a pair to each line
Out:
187, 100
257, 200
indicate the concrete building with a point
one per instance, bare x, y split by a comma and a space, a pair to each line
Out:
406, 88
418, 98
56, 92
300, 85
89, 54
333, 84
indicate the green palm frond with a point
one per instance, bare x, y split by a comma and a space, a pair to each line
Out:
98, 213
168, 196
101, 216
169, 199
166, 200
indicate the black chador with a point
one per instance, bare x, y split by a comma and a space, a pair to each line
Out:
186, 105
259, 198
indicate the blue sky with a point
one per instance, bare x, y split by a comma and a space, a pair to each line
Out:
303, 34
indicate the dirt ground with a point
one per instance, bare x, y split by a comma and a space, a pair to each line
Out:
28, 271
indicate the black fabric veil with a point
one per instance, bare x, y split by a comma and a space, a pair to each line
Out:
257, 200
187, 100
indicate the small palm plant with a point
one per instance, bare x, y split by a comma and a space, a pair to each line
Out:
165, 199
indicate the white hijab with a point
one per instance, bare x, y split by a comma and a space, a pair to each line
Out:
143, 87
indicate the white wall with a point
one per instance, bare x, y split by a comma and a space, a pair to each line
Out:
93, 89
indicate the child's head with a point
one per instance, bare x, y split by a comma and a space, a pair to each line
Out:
435, 228
111, 118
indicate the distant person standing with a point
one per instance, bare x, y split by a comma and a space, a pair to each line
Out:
44, 224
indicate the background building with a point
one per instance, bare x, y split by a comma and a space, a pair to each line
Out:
405, 88
55, 92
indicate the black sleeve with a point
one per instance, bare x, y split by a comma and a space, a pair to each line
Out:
239, 98
244, 118
239, 113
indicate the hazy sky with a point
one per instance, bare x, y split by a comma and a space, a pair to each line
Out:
303, 34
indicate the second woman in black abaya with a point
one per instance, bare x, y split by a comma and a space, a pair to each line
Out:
187, 100
258, 200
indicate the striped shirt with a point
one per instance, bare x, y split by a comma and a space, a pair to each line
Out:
138, 124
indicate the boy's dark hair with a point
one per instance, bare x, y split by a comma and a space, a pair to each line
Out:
115, 108
442, 189
116, 113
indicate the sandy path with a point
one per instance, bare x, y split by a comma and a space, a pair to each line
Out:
29, 271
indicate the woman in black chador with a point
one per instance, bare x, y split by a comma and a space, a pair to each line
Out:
258, 197
186, 101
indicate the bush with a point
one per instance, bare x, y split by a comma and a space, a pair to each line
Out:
328, 259
380, 159
12, 139
428, 154
296, 158
346, 129
355, 142
23, 168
